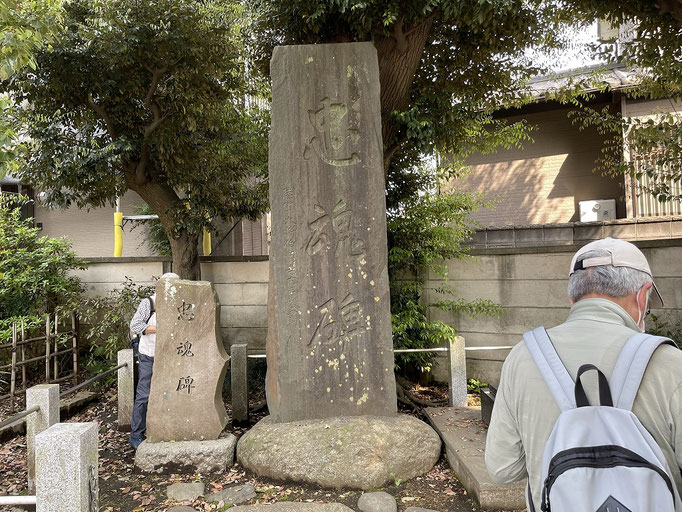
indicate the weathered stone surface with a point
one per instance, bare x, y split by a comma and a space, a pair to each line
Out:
187, 456
293, 507
126, 388
419, 509
364, 452
457, 365
464, 434
45, 396
377, 502
329, 335
181, 508
67, 468
185, 402
239, 365
182, 491
234, 495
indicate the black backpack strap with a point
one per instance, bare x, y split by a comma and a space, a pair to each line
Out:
629, 369
151, 308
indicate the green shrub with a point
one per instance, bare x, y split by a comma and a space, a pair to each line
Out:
668, 324
105, 321
36, 273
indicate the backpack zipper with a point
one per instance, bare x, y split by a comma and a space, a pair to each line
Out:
595, 457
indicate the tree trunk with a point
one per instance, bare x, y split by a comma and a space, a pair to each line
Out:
399, 57
162, 199
185, 250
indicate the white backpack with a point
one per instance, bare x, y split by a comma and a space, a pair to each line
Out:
599, 458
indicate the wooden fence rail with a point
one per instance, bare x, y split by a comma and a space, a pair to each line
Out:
51, 340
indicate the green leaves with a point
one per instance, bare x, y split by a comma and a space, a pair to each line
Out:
149, 96
36, 272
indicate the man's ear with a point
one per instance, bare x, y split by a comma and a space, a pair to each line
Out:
642, 297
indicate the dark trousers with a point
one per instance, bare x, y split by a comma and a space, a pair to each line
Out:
138, 422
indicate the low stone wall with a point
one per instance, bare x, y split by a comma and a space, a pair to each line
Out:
529, 281
240, 281
525, 270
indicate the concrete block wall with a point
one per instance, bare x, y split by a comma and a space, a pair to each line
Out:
240, 282
242, 288
530, 283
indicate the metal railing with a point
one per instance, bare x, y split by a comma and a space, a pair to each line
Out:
410, 350
69, 391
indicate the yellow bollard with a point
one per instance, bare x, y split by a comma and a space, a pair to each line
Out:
206, 243
118, 234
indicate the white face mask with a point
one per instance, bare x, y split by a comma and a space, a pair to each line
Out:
642, 314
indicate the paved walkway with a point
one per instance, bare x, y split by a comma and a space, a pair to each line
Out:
463, 433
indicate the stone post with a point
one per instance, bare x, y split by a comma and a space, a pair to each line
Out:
457, 373
67, 468
45, 396
126, 388
240, 382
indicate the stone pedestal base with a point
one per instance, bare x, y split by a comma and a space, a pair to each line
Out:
363, 452
186, 456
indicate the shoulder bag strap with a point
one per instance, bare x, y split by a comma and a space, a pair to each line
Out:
630, 366
552, 369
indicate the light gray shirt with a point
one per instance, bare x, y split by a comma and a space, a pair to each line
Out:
525, 411
139, 323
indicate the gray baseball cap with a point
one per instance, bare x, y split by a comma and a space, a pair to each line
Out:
621, 254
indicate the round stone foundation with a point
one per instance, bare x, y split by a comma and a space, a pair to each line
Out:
363, 452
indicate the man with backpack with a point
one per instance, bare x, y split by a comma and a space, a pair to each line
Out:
143, 325
611, 443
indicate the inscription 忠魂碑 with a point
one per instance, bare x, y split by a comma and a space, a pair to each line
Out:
328, 249
185, 400
341, 225
186, 383
339, 323
334, 140
186, 311
185, 349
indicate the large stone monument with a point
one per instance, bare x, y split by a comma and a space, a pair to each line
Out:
329, 346
329, 336
185, 402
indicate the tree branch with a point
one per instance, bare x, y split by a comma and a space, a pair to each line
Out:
111, 128
141, 167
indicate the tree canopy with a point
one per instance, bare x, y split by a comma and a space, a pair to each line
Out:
150, 97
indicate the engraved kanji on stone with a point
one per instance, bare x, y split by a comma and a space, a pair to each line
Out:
186, 311
341, 223
185, 383
334, 140
338, 322
185, 349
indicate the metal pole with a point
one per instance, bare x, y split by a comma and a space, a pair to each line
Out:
18, 416
17, 500
55, 373
13, 378
74, 344
89, 381
47, 348
23, 357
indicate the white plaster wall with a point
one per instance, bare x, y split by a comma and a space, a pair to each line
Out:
91, 232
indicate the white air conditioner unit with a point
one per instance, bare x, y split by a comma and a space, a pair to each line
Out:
597, 210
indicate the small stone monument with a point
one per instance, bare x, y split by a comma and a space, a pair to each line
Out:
186, 414
190, 361
330, 380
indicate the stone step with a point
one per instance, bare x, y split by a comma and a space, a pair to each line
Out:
463, 433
